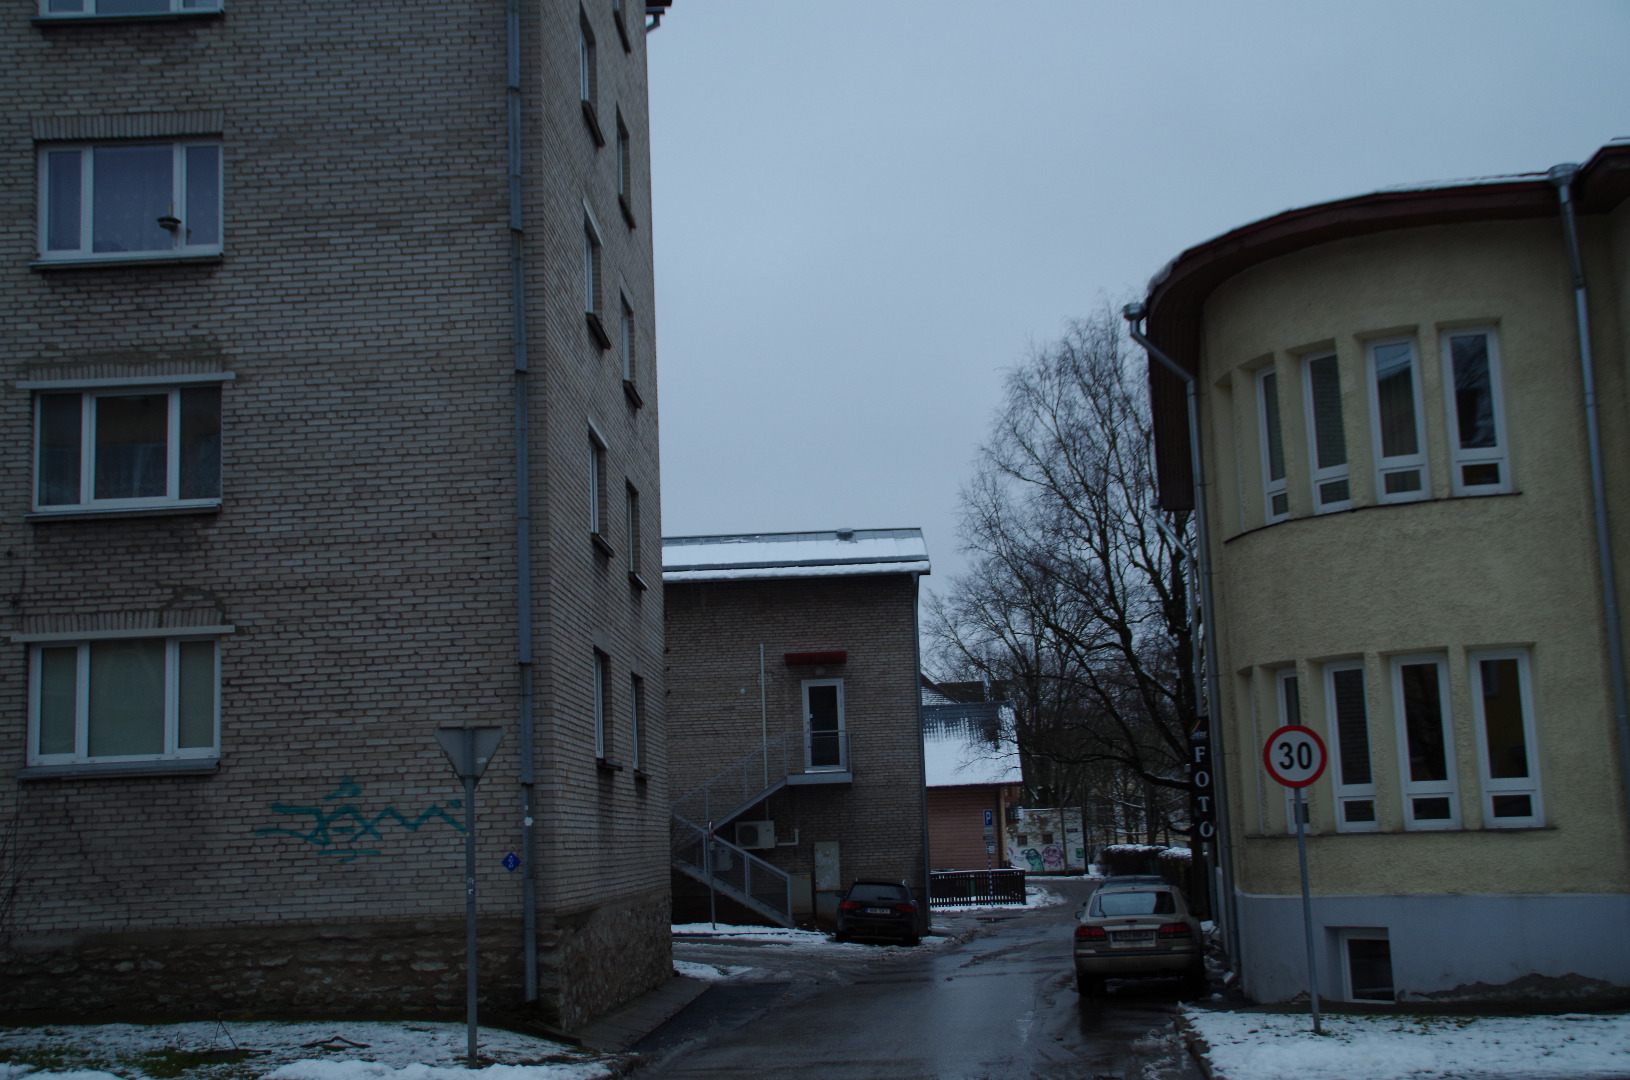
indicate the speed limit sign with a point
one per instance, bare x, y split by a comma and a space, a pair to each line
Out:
1294, 756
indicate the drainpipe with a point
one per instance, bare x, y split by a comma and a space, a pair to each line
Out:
1135, 314
922, 753
1562, 177
523, 507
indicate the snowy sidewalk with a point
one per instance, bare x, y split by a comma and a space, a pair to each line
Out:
339, 1050
1272, 1046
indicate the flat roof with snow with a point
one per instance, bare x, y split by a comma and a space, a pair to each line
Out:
836, 553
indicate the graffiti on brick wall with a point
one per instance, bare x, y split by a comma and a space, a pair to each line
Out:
341, 828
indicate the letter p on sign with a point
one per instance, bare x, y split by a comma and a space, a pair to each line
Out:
1294, 756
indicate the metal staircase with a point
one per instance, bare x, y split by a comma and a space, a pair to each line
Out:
736, 872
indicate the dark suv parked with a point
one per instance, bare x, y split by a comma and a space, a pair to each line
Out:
878, 909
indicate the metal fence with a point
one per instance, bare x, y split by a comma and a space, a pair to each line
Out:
739, 874
764, 769
953, 888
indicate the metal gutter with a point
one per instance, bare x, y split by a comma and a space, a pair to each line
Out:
523, 505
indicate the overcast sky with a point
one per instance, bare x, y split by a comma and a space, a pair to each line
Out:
866, 210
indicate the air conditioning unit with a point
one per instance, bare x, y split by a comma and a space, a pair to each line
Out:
755, 835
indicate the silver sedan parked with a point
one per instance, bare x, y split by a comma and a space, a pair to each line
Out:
1138, 930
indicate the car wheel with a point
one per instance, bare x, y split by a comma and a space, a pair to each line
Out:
1090, 985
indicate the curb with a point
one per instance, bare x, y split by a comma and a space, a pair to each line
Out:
1197, 1047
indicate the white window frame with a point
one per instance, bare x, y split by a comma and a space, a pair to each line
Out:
1345, 793
89, 396
1410, 788
602, 706
85, 252
1398, 464
1287, 699
81, 755
1460, 458
842, 731
1328, 474
88, 9
1349, 934
1269, 419
1526, 785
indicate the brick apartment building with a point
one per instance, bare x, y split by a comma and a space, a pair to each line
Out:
792, 677
329, 417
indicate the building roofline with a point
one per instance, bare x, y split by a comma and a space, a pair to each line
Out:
1178, 293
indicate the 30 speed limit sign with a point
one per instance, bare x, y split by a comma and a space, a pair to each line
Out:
1294, 756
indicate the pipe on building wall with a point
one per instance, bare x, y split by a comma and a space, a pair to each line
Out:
922, 751
1562, 177
523, 504
1134, 314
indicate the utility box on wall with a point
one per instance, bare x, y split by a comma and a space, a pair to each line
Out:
828, 881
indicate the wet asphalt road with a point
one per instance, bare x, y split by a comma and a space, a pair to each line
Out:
1002, 1006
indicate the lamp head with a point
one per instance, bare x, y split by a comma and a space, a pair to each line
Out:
1135, 311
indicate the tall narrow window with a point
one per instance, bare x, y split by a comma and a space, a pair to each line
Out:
588, 78
625, 175
825, 739
628, 341
1290, 712
592, 284
1477, 436
636, 720
1351, 775
1326, 434
1400, 439
1503, 712
631, 504
597, 494
602, 707
1276, 501
1420, 694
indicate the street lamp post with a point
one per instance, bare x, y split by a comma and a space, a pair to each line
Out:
469, 749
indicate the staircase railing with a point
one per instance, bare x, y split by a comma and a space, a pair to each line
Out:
736, 873
761, 773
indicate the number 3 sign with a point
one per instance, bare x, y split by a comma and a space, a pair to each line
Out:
1294, 756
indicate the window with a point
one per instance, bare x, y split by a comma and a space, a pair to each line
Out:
1503, 712
631, 507
122, 201
1477, 439
123, 699
1420, 694
1276, 501
1351, 776
588, 78
592, 283
824, 741
636, 717
597, 494
628, 341
602, 707
1326, 434
127, 448
625, 176
1290, 712
51, 9
621, 19
1400, 440
1366, 965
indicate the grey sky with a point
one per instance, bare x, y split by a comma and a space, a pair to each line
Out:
866, 209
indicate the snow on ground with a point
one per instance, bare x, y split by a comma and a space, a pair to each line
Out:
800, 940
1262, 1046
336, 1050
705, 972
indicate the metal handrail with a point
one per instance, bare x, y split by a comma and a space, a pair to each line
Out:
740, 874
761, 772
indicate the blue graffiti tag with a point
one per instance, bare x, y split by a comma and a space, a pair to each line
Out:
340, 830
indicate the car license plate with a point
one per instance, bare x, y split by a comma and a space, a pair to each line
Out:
1132, 935
878, 911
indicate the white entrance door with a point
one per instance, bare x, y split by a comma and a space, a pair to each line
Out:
824, 739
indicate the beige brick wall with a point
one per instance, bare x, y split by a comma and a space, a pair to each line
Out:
365, 547
714, 633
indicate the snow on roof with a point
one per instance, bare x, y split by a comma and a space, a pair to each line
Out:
970, 744
838, 552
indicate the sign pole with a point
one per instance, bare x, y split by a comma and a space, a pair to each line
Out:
1295, 757
469, 900
1307, 913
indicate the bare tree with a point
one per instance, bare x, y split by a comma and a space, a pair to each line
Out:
1078, 598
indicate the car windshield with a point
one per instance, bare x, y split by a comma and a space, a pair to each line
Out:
874, 894
1134, 903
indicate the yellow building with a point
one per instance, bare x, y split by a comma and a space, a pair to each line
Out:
1403, 522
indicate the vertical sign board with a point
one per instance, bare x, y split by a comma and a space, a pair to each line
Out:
1202, 814
1295, 757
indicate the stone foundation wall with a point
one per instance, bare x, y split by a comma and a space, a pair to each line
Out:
600, 958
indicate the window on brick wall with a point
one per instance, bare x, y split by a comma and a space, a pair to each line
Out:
625, 172
123, 699
126, 448
620, 17
631, 509
129, 201
636, 720
597, 494
630, 354
588, 77
593, 288
104, 9
602, 706
825, 737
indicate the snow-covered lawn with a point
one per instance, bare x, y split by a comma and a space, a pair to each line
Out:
1262, 1046
339, 1050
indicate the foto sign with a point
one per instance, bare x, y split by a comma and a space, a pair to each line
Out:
1294, 756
